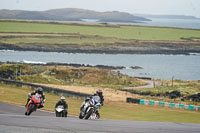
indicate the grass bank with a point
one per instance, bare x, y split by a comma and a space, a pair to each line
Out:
110, 110
67, 75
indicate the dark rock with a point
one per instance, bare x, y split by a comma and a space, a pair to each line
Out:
195, 97
136, 67
132, 100
173, 94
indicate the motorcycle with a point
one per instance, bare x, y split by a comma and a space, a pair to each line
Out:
60, 111
91, 108
33, 104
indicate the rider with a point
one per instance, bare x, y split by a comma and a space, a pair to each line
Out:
39, 90
63, 103
98, 93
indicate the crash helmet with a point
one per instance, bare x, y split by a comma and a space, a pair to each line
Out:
62, 98
99, 92
40, 90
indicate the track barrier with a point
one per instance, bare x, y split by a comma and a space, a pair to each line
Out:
151, 102
56, 91
161, 104
181, 106
170, 105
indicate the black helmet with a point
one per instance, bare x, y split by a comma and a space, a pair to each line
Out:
40, 90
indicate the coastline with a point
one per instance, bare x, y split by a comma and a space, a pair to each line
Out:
167, 41
108, 51
132, 47
151, 65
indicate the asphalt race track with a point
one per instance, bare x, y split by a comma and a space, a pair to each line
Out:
13, 120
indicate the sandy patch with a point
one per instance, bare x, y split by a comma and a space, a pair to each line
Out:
109, 94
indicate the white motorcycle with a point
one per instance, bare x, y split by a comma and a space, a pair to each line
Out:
60, 111
91, 108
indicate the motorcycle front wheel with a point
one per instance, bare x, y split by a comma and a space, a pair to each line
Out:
89, 113
81, 116
58, 114
31, 109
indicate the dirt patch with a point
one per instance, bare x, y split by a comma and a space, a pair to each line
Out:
109, 94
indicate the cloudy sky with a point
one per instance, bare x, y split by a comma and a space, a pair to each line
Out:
174, 7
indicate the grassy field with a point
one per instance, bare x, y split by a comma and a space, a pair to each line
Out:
123, 32
110, 110
24, 40
185, 87
97, 38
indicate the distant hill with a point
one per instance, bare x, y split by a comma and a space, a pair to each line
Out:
167, 16
71, 14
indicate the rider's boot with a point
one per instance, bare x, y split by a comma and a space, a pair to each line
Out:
98, 115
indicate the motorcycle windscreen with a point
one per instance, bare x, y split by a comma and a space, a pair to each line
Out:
96, 99
36, 98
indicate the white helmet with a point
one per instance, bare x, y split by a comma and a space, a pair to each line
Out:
62, 98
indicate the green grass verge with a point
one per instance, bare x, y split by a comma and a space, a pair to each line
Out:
110, 110
123, 32
148, 113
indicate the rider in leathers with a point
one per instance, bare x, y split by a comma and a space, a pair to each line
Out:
63, 103
98, 93
42, 95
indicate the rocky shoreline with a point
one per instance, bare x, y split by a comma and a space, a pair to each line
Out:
69, 64
104, 51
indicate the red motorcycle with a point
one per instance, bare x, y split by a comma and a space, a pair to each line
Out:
33, 104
